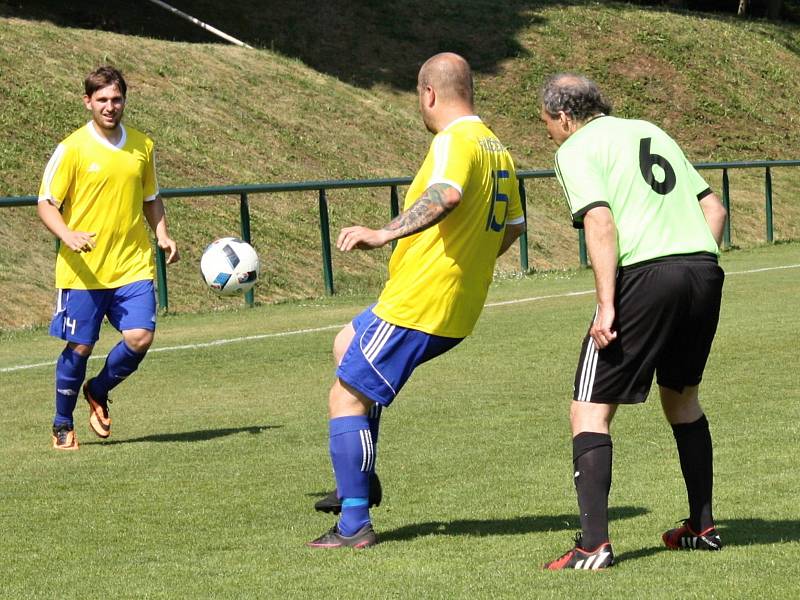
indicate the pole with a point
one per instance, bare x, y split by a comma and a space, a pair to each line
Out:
244, 218
523, 239
200, 24
726, 202
325, 235
768, 201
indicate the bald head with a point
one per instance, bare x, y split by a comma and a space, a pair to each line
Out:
450, 76
575, 95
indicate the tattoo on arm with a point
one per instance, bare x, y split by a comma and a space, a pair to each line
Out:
427, 211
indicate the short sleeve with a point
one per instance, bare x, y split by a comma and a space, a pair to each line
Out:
698, 185
57, 179
451, 162
516, 215
584, 186
149, 180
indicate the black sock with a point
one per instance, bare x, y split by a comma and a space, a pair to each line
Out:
591, 458
696, 455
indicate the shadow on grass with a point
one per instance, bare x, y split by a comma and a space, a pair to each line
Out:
515, 526
190, 436
736, 532
747, 532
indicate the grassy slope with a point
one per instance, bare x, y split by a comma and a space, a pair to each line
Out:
223, 115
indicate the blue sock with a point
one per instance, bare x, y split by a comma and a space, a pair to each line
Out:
353, 458
70, 373
120, 362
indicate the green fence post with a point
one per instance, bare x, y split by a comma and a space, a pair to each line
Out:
394, 207
244, 219
523, 239
768, 201
582, 248
161, 278
726, 202
325, 234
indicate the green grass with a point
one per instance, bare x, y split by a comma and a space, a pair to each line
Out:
218, 452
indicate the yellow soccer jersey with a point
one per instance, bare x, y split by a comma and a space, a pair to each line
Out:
101, 188
439, 277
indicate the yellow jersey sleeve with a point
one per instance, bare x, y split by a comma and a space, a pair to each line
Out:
149, 181
58, 180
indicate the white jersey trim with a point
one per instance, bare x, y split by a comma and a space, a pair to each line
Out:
118, 146
473, 118
50, 173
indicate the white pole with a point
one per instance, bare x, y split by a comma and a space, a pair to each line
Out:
200, 24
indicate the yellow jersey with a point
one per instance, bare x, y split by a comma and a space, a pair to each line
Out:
101, 188
439, 277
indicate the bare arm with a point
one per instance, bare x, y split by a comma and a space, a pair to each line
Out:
433, 206
601, 243
157, 219
79, 241
715, 215
511, 233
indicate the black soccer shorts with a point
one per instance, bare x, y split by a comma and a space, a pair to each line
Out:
667, 312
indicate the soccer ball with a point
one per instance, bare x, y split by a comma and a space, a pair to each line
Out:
229, 266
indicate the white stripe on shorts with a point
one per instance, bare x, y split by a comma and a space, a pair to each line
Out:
378, 341
586, 382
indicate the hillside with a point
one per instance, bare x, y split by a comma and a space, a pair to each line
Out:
725, 88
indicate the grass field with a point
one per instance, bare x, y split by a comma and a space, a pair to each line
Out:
219, 450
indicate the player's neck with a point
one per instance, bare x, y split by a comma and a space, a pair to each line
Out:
451, 116
112, 136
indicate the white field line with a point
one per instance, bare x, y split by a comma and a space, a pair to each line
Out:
263, 336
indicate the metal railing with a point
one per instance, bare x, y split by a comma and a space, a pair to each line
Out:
322, 188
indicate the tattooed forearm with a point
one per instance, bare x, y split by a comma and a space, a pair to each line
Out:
431, 208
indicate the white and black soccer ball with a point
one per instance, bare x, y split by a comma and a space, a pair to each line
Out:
229, 266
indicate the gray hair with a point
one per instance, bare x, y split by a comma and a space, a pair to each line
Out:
576, 95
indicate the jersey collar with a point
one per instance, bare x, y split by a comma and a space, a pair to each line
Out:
118, 146
473, 118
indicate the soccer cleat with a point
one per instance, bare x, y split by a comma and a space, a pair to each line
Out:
581, 559
684, 538
99, 420
333, 504
64, 438
363, 538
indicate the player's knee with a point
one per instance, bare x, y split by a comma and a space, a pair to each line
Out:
138, 340
344, 401
82, 349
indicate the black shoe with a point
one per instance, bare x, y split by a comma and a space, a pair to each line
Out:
601, 557
333, 504
363, 538
684, 538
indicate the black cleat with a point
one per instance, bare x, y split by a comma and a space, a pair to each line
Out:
684, 538
578, 558
333, 504
363, 538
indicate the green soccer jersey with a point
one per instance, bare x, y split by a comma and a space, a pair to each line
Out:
643, 177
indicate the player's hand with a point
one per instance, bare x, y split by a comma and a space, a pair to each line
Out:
169, 246
600, 331
361, 238
79, 241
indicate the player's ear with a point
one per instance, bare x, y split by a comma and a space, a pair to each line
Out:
87, 102
429, 96
564, 120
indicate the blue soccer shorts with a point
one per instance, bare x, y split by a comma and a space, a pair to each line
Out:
79, 313
382, 356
